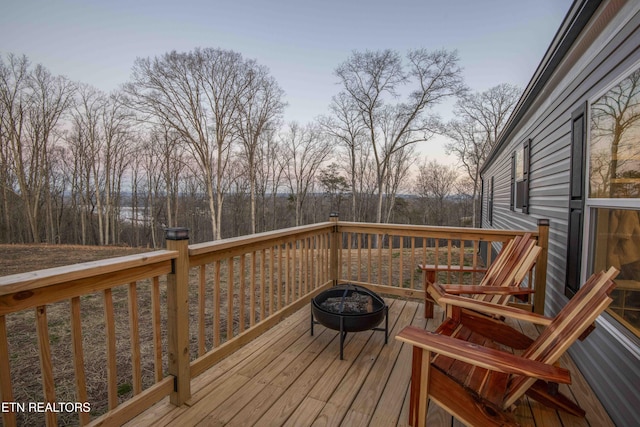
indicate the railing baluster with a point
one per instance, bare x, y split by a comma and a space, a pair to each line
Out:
327, 258
287, 266
340, 247
349, 263
309, 269
400, 262
6, 388
46, 367
134, 336
413, 261
229, 298
157, 331
380, 243
217, 304
390, 251
359, 264
272, 279
475, 260
263, 278
461, 275
280, 276
308, 272
112, 377
297, 260
315, 262
201, 309
369, 265
252, 290
437, 255
327, 252
241, 294
489, 253
424, 251
322, 263
449, 259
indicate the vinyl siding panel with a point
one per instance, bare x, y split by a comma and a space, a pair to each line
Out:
609, 361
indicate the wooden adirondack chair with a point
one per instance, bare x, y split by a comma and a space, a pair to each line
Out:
501, 281
465, 369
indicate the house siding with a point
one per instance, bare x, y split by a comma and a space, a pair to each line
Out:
610, 361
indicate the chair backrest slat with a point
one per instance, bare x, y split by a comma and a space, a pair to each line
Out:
570, 323
515, 260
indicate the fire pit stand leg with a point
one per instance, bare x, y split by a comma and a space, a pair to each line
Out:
343, 334
312, 321
386, 325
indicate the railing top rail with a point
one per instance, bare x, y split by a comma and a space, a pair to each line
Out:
52, 276
432, 231
254, 239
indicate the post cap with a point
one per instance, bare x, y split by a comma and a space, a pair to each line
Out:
543, 222
334, 215
176, 233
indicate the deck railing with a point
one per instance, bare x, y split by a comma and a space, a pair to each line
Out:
204, 301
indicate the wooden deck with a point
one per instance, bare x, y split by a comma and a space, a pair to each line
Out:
288, 377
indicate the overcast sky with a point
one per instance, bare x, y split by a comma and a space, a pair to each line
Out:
301, 42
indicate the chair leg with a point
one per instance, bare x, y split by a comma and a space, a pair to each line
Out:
429, 277
428, 308
415, 385
419, 397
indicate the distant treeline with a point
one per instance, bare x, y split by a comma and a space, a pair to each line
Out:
197, 139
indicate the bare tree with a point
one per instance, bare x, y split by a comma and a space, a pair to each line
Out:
101, 142
33, 101
116, 124
373, 80
165, 144
269, 176
196, 94
346, 127
399, 164
260, 106
305, 149
434, 183
7, 180
480, 119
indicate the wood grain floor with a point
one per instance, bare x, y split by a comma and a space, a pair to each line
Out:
287, 377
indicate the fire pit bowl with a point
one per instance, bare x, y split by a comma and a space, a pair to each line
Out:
349, 308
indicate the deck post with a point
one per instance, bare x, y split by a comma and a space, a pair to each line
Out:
541, 267
334, 251
177, 239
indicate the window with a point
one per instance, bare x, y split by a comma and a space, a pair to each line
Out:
520, 178
613, 198
616, 238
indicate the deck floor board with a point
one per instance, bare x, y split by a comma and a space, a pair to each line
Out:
288, 377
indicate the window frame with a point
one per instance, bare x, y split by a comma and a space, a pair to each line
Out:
591, 204
514, 205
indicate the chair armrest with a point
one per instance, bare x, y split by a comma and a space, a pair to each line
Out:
442, 298
487, 290
483, 357
452, 268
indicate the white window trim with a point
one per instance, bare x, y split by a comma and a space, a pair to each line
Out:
591, 203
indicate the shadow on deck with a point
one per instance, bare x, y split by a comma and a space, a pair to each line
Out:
288, 377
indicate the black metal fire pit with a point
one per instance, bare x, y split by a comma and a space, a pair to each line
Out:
349, 308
